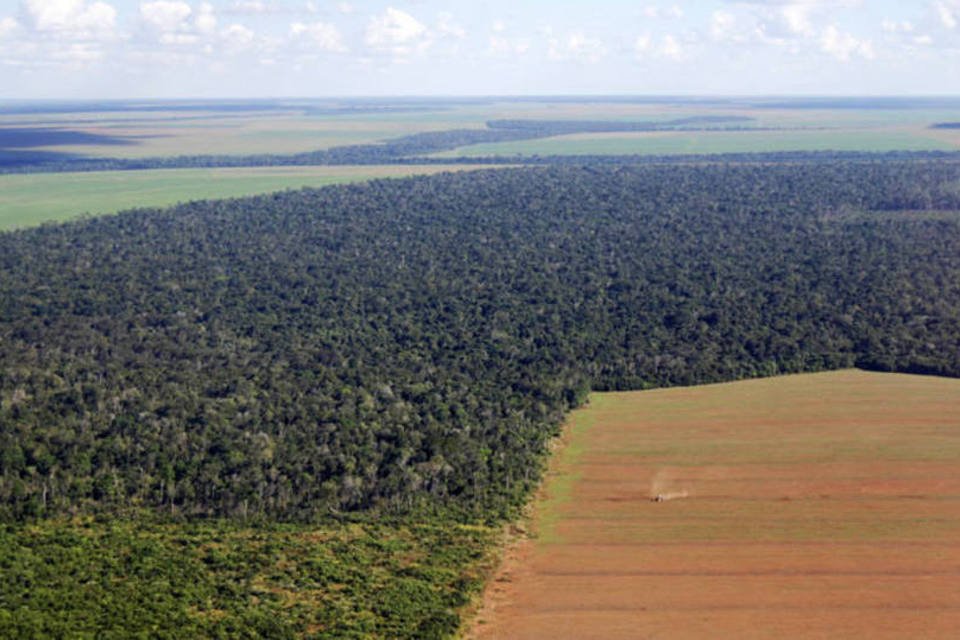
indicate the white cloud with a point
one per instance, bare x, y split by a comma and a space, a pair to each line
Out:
923, 40
892, 26
206, 21
250, 6
796, 17
78, 16
66, 34
576, 46
76, 54
502, 46
447, 27
843, 46
789, 22
99, 16
345, 8
396, 32
655, 12
643, 44
237, 36
166, 15
722, 25
949, 13
174, 23
175, 39
8, 25
668, 47
324, 36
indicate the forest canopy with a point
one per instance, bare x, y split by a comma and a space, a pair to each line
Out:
414, 343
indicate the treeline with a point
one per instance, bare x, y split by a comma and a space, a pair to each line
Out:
388, 152
403, 150
546, 128
945, 125
51, 162
413, 343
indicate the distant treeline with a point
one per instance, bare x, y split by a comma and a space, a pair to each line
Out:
405, 149
547, 128
408, 344
48, 162
946, 125
389, 152
26, 137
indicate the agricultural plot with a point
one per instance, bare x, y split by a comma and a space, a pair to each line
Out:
240, 137
812, 506
138, 135
31, 199
705, 142
304, 126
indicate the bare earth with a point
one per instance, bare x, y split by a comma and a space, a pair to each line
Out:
814, 506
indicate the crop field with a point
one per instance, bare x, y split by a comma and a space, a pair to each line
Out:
31, 199
230, 136
280, 128
657, 143
133, 135
810, 506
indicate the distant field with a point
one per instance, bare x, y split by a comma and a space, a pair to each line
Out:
31, 199
298, 127
137, 134
239, 136
812, 506
713, 142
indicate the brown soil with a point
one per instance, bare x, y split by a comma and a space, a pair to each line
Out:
819, 506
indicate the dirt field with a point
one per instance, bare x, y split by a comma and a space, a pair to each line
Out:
815, 506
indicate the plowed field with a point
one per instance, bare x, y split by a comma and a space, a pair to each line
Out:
812, 506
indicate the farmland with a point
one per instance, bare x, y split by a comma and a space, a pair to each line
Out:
287, 127
203, 129
708, 142
30, 199
310, 413
819, 505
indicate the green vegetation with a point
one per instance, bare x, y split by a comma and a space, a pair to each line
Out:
704, 142
30, 199
402, 351
123, 578
408, 343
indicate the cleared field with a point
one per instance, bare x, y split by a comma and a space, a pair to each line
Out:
657, 143
237, 136
31, 199
297, 127
140, 135
813, 506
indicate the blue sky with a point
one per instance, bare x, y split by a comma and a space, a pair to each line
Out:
262, 48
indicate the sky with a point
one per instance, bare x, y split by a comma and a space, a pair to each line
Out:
97, 49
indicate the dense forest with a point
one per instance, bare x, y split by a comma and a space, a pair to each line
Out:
410, 344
